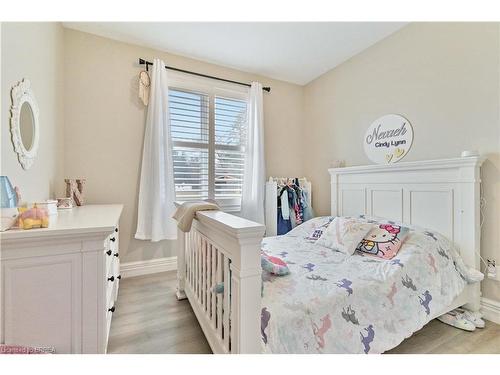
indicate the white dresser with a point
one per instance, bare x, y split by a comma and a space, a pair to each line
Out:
59, 285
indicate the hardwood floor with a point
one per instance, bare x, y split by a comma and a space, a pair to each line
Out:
149, 319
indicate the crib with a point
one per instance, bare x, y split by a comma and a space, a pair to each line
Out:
223, 249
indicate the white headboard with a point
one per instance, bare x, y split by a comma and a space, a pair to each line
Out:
442, 195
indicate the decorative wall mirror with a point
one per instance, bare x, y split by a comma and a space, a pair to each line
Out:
24, 125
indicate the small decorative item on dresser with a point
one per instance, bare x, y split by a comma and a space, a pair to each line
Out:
9, 194
10, 198
50, 205
74, 189
64, 203
34, 217
337, 164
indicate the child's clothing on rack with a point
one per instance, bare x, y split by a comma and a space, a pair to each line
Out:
292, 204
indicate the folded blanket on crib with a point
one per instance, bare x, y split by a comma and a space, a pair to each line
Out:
186, 212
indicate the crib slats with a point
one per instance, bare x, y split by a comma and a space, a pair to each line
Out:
198, 269
226, 309
219, 296
205, 278
198, 266
203, 272
186, 259
209, 279
193, 254
207, 268
192, 259
191, 262
213, 284
186, 256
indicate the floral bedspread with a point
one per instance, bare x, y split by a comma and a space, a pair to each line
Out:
334, 303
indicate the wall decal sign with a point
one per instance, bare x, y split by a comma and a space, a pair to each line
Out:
388, 139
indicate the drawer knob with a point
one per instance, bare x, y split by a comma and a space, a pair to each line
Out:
108, 252
112, 309
119, 277
112, 278
116, 230
116, 255
112, 239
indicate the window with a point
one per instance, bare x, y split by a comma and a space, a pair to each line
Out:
208, 129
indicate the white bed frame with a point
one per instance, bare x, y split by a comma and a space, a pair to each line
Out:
442, 195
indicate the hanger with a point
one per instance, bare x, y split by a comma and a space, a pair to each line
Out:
289, 181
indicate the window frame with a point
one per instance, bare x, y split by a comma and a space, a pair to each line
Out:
211, 88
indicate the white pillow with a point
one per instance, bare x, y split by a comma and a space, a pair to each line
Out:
344, 234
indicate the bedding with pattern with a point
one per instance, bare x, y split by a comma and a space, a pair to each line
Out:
337, 303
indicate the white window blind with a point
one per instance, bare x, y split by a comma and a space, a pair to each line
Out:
208, 133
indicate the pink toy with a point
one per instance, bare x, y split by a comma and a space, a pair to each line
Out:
34, 218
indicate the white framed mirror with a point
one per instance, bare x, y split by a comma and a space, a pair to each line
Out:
24, 124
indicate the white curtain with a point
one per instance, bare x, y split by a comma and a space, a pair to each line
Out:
254, 177
157, 190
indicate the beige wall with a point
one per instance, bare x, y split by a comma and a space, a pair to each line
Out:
34, 51
104, 125
443, 77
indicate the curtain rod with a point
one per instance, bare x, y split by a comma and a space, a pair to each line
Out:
148, 63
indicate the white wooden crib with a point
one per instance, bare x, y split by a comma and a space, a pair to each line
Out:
221, 248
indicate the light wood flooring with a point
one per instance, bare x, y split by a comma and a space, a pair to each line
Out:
149, 319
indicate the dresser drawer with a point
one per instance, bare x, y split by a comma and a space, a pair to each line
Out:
114, 268
110, 284
117, 278
111, 252
108, 255
110, 309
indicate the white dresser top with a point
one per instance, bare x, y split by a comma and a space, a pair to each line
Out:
79, 220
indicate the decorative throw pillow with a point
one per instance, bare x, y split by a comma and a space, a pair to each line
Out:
273, 265
344, 234
384, 240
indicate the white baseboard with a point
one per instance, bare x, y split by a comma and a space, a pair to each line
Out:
491, 310
146, 267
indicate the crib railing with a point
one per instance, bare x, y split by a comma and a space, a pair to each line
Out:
218, 270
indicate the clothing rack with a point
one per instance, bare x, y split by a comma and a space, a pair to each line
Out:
148, 63
271, 205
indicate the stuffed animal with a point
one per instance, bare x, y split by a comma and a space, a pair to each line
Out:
33, 218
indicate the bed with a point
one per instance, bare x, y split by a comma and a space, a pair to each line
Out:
330, 303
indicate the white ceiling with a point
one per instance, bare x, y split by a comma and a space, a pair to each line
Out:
296, 52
